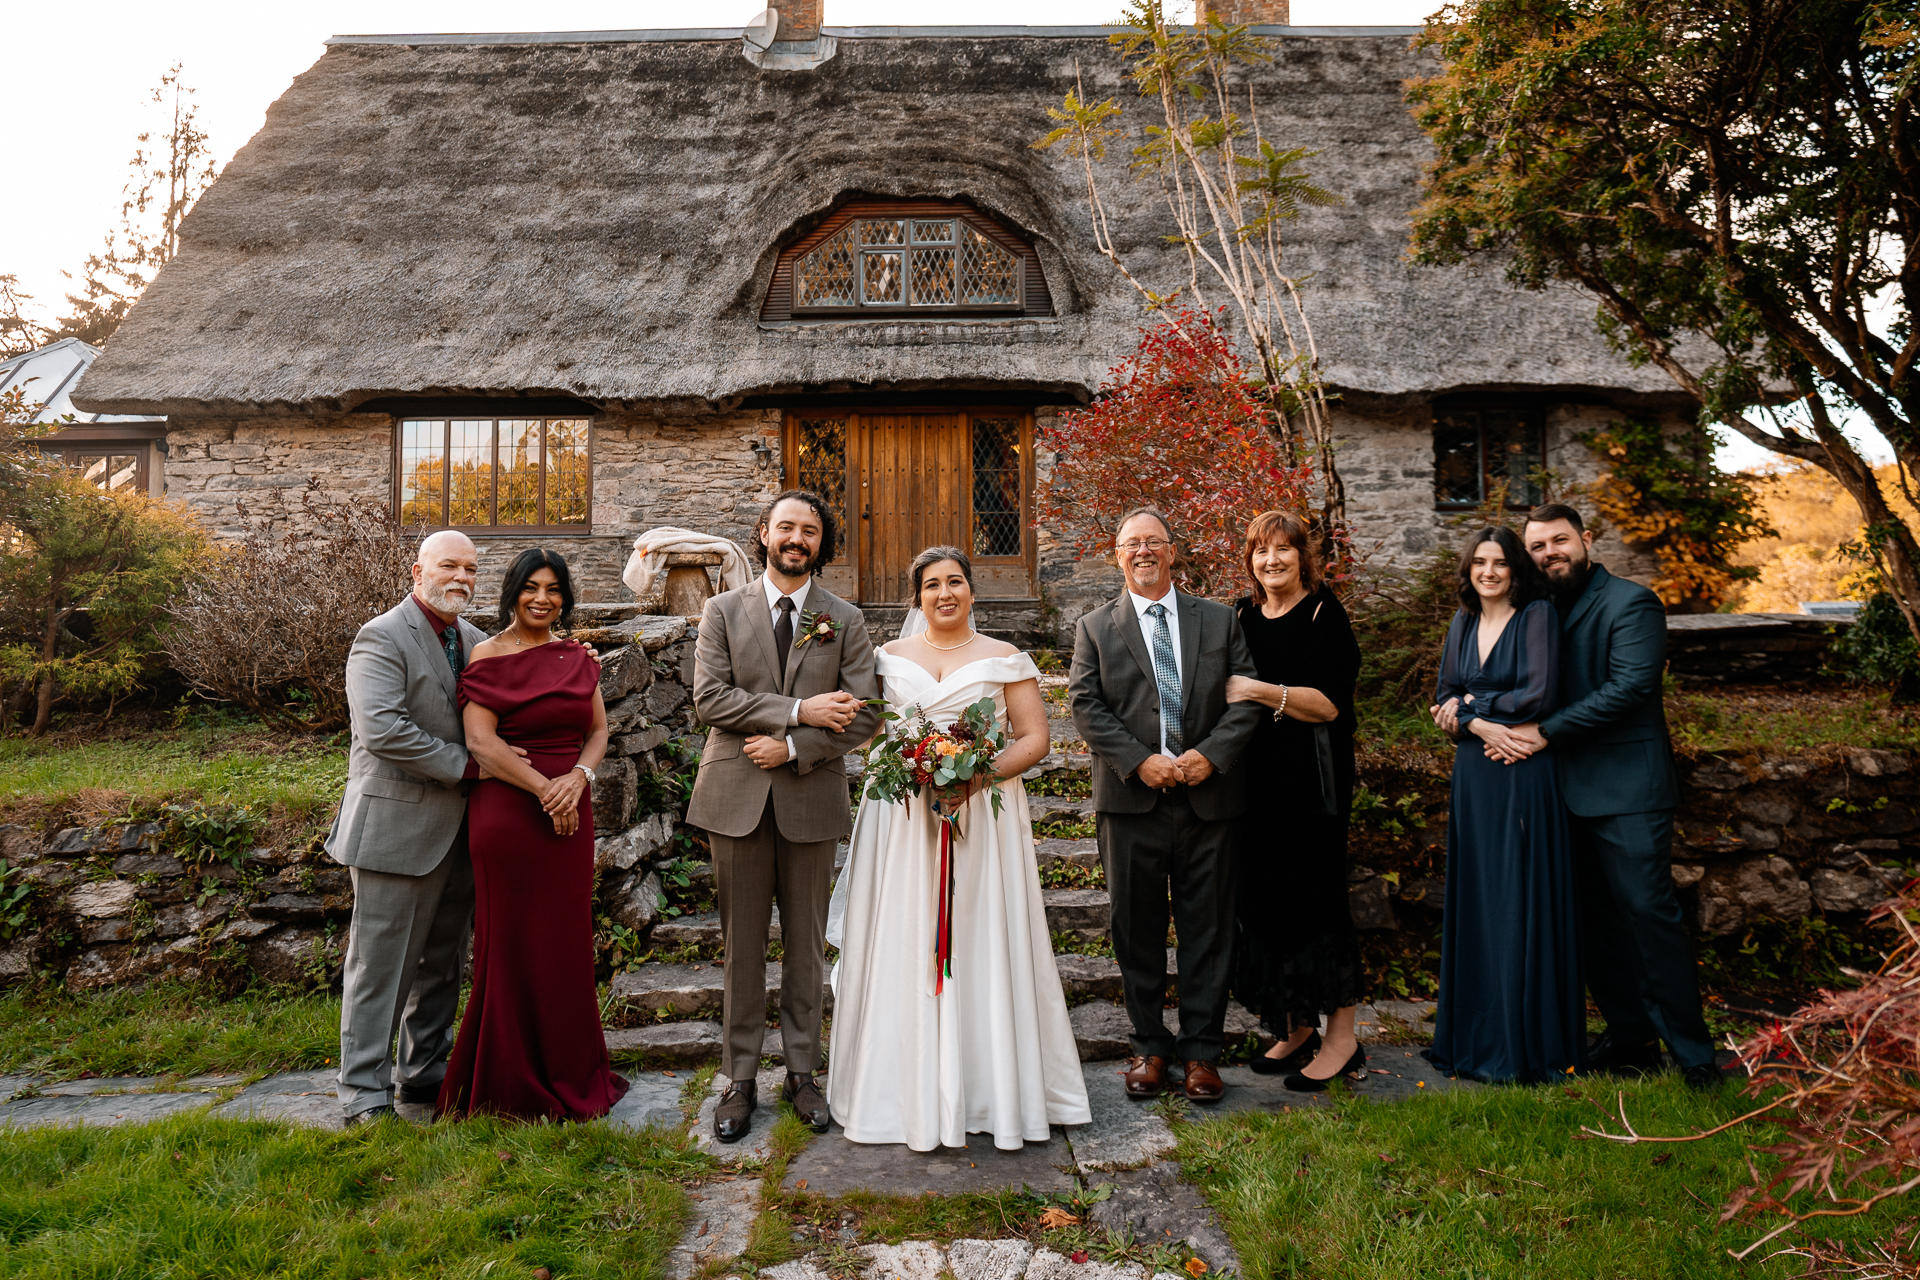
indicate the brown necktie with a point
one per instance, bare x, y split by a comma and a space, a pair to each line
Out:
783, 632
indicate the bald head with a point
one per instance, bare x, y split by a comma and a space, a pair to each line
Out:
444, 570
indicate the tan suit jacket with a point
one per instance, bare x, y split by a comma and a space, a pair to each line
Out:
738, 692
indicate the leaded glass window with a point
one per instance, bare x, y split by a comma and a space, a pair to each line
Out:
1475, 449
996, 486
483, 473
822, 467
907, 262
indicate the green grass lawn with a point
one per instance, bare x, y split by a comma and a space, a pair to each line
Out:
194, 1197
168, 1029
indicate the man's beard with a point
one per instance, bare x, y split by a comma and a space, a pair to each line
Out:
1567, 581
440, 597
777, 560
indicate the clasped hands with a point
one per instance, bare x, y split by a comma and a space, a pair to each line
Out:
1509, 744
1164, 773
830, 711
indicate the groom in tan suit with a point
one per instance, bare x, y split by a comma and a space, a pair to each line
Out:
783, 703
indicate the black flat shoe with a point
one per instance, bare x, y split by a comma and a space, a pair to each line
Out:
1704, 1078
1299, 1082
1262, 1065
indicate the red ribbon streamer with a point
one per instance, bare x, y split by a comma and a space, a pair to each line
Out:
943, 934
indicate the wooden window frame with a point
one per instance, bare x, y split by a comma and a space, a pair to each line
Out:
493, 498
136, 439
1035, 298
1533, 412
854, 542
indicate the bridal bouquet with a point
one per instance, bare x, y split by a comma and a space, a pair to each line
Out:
912, 757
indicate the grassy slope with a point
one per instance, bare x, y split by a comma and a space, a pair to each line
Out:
165, 1030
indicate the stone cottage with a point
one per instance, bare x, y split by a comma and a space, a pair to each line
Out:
559, 288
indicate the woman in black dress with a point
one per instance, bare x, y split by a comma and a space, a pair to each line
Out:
1510, 1002
1297, 956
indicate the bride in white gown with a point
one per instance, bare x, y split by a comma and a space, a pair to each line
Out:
992, 1052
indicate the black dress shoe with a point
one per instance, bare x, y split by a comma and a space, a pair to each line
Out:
1262, 1065
804, 1094
1299, 1082
734, 1116
372, 1116
420, 1093
1616, 1056
1704, 1077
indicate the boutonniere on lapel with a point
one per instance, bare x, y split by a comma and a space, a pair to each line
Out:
816, 624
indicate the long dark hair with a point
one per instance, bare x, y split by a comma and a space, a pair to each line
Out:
828, 529
1528, 583
524, 566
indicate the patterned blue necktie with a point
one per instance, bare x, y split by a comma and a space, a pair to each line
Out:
450, 641
1167, 676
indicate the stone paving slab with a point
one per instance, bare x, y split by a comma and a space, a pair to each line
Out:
98, 1084
298, 1097
723, 1214
1124, 1134
97, 1109
967, 1260
652, 1102
1155, 1206
1394, 1073
831, 1165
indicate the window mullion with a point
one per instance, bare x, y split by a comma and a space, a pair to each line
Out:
540, 480
446, 472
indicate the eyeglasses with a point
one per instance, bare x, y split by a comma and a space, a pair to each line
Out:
1144, 544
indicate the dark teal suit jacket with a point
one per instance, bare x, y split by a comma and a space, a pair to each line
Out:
1610, 733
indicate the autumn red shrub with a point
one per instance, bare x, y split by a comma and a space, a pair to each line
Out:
1179, 425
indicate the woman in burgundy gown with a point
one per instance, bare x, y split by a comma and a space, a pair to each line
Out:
530, 1043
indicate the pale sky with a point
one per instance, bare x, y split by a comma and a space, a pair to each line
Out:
89, 73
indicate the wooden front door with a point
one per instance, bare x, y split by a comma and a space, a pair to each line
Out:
901, 480
916, 494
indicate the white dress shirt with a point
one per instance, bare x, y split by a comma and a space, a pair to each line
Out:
1148, 628
799, 599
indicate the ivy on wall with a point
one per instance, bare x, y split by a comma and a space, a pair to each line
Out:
1676, 503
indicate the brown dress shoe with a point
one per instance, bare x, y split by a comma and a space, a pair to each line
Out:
1204, 1083
1146, 1077
734, 1116
804, 1094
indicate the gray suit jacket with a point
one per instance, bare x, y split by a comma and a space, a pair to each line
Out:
405, 795
1610, 733
1116, 703
737, 693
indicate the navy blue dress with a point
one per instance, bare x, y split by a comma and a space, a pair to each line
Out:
1511, 1007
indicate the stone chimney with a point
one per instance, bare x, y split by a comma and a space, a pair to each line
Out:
800, 19
1234, 13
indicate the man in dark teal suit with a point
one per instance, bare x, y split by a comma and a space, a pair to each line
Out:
1617, 781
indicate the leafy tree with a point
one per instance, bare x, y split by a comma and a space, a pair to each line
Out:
1177, 425
1693, 515
167, 178
1737, 184
19, 333
1229, 191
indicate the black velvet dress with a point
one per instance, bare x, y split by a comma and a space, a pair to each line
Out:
1296, 953
1511, 1007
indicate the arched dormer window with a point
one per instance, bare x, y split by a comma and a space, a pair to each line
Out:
907, 258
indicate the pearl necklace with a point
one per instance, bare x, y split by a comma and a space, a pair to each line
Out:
971, 637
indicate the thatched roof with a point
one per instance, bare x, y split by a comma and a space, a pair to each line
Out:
599, 218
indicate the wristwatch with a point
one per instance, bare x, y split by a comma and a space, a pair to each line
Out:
582, 768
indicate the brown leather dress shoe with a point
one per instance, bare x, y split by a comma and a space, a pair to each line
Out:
733, 1118
1203, 1083
804, 1094
1146, 1077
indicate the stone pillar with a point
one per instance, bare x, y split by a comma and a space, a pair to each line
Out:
1237, 13
800, 19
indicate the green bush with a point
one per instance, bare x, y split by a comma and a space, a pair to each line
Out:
1879, 649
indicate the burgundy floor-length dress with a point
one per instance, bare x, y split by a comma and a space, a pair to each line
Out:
530, 1044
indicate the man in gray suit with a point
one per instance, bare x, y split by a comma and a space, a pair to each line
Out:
1149, 695
772, 789
402, 830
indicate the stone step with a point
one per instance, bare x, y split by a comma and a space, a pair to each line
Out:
1082, 853
1103, 1031
1058, 809
668, 1041
1081, 977
687, 990
701, 931
1086, 912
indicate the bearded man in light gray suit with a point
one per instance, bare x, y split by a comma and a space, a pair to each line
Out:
402, 831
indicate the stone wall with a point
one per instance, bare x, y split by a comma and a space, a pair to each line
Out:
126, 903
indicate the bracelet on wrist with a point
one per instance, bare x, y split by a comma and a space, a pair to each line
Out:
1280, 711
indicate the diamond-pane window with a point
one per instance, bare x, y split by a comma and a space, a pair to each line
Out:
494, 473
996, 487
880, 277
933, 277
824, 278
822, 466
933, 233
889, 232
989, 275
1474, 450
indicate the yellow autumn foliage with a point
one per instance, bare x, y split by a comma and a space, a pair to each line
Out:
1811, 516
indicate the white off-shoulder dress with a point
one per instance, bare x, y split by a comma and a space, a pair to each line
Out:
993, 1052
